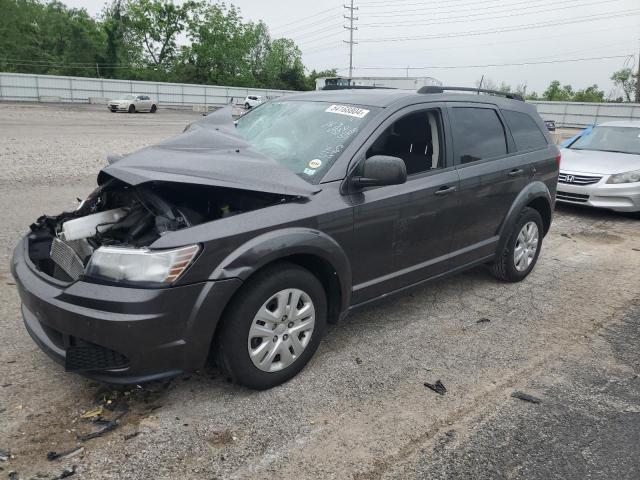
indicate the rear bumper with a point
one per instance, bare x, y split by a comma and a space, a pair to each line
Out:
621, 197
153, 333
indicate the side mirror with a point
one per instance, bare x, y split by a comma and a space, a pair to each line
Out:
381, 170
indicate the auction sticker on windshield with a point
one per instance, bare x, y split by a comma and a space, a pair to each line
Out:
347, 110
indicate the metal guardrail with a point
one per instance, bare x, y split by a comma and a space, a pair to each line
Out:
580, 114
17, 87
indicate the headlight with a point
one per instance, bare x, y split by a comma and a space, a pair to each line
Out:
627, 177
141, 265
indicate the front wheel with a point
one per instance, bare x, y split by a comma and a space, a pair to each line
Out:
273, 327
247, 106
154, 109
521, 251
132, 109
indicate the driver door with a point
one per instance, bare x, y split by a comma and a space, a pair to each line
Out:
403, 233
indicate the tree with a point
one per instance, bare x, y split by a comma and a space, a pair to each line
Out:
589, 94
557, 93
283, 65
625, 79
157, 23
311, 78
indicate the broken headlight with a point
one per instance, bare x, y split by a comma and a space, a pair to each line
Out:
141, 265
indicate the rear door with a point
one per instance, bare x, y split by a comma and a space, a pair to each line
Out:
490, 178
403, 232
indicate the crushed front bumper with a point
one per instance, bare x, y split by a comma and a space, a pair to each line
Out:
120, 334
620, 197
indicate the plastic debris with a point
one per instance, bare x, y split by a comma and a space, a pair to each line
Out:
96, 412
437, 387
51, 456
67, 472
525, 397
108, 426
5, 455
129, 436
483, 320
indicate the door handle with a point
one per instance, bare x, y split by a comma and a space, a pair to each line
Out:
444, 190
516, 172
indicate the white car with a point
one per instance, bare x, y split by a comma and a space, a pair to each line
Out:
251, 101
133, 103
601, 168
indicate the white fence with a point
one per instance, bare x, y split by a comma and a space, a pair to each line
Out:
578, 114
17, 87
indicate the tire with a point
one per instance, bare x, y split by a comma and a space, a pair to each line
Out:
154, 109
132, 109
505, 267
247, 106
236, 336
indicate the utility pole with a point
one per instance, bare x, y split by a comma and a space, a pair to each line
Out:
351, 43
638, 81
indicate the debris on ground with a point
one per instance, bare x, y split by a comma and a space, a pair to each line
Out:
129, 436
525, 397
437, 387
483, 320
108, 426
5, 455
12, 475
67, 472
358, 360
51, 456
96, 412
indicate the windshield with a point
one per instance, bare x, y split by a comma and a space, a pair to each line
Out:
128, 97
305, 137
610, 139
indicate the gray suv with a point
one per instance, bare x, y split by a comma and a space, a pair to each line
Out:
240, 241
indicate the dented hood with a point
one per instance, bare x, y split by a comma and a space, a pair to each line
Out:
208, 152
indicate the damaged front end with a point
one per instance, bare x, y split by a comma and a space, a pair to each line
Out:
107, 238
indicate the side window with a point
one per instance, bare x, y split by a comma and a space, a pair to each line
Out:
525, 131
478, 134
415, 138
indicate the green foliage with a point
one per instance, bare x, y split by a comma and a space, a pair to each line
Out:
555, 92
626, 80
589, 94
139, 40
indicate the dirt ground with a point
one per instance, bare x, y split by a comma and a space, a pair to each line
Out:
568, 335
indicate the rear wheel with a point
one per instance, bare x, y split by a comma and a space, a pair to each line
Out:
153, 109
132, 109
522, 248
247, 106
273, 327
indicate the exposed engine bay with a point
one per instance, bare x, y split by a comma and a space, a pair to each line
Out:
121, 215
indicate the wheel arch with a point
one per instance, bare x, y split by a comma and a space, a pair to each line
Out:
536, 195
311, 249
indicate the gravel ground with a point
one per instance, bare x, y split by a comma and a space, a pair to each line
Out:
568, 335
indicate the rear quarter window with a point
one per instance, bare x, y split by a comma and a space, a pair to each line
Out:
478, 134
525, 131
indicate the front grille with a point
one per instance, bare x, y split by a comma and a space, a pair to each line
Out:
571, 197
66, 258
93, 357
578, 179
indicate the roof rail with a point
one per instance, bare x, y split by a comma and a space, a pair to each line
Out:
355, 87
436, 89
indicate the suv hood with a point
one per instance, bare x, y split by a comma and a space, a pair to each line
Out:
208, 152
593, 161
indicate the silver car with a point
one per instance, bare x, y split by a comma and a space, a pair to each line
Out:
601, 168
133, 103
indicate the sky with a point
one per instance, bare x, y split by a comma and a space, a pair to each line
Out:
459, 41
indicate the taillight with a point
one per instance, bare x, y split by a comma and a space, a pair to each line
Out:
558, 158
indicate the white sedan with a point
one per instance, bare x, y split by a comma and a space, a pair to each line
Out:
133, 103
601, 168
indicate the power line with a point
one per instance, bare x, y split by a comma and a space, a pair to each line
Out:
308, 16
510, 64
310, 23
482, 16
433, 11
504, 30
